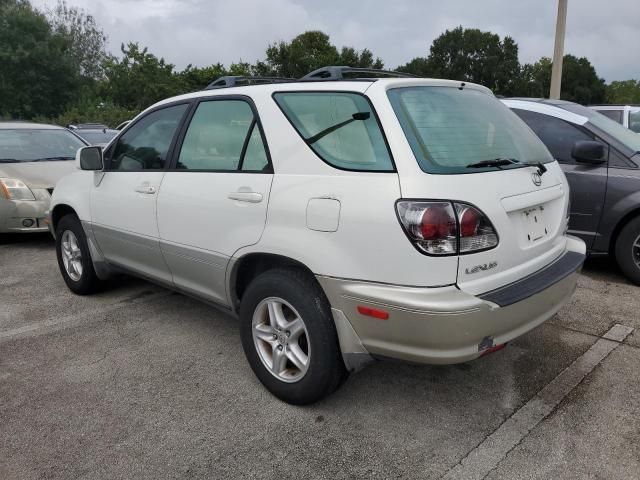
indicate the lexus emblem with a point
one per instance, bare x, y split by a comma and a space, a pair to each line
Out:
537, 179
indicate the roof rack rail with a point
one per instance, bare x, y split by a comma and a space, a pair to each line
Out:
233, 81
338, 73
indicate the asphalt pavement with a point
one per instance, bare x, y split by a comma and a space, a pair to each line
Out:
140, 382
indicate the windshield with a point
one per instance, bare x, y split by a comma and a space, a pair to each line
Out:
97, 137
28, 145
625, 136
451, 128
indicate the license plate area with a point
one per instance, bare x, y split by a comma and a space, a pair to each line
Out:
535, 224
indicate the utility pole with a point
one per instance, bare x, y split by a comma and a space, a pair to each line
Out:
558, 51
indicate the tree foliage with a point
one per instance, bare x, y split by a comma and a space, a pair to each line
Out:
56, 66
471, 55
624, 92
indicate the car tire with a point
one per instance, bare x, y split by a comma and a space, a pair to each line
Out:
74, 258
271, 310
628, 250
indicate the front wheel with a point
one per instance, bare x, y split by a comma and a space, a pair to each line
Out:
289, 337
628, 250
74, 258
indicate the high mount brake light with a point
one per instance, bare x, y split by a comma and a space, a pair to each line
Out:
446, 228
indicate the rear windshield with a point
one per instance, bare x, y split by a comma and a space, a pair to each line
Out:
451, 128
28, 145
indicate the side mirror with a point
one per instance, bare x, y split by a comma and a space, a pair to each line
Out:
89, 158
589, 152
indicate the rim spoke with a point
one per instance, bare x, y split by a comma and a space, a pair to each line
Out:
297, 357
278, 361
296, 328
276, 315
263, 332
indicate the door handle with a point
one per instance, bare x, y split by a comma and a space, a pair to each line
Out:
146, 188
250, 197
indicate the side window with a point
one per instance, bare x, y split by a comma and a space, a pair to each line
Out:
223, 136
615, 115
145, 146
634, 121
341, 128
558, 136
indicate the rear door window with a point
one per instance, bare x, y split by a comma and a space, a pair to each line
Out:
340, 127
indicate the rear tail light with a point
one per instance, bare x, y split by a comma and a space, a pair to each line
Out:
446, 228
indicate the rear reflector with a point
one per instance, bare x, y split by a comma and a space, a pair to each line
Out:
373, 312
495, 348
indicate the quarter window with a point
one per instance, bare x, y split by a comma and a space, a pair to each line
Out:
559, 136
223, 136
145, 145
615, 115
341, 128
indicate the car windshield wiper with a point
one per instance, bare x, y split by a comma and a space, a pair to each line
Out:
356, 116
501, 162
52, 159
9, 160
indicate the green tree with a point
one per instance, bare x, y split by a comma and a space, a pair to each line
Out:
309, 51
87, 41
624, 92
580, 82
37, 75
139, 78
471, 55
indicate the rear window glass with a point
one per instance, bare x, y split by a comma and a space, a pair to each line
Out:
340, 127
450, 128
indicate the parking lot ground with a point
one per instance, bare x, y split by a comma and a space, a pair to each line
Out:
140, 382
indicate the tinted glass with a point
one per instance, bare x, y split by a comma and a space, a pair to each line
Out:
559, 136
615, 115
216, 136
145, 146
326, 121
634, 121
255, 157
625, 136
27, 145
449, 129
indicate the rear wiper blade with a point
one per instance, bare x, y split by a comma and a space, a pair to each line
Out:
52, 159
356, 116
9, 160
500, 162
496, 162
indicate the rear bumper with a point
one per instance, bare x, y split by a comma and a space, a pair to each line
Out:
446, 325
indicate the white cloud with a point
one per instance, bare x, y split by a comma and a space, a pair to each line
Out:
202, 32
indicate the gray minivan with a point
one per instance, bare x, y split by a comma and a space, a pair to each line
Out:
601, 160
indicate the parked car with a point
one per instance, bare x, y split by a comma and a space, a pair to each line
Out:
94, 133
340, 220
601, 160
626, 115
33, 157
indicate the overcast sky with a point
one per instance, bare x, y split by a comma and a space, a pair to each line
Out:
203, 32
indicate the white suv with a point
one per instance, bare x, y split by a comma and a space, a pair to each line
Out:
341, 220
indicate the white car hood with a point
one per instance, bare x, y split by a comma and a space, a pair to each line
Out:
38, 174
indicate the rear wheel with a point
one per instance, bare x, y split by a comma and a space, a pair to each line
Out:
289, 337
74, 258
628, 250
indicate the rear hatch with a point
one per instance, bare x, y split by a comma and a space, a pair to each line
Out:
471, 150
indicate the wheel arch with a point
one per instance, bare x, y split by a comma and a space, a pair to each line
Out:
622, 222
249, 266
59, 211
